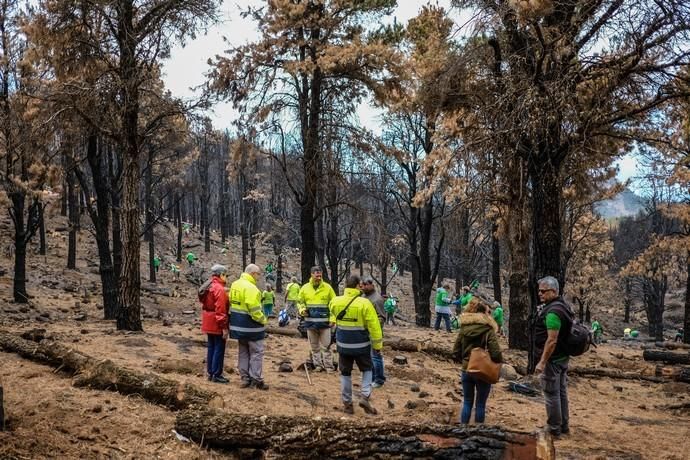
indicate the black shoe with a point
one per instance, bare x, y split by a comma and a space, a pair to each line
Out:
259, 385
246, 383
220, 379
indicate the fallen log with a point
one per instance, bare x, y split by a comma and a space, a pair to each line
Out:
666, 356
416, 346
299, 437
667, 345
106, 375
677, 374
286, 331
157, 290
612, 374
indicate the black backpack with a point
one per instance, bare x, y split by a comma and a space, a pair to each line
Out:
579, 338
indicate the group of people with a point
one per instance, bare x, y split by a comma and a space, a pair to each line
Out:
478, 329
358, 317
452, 320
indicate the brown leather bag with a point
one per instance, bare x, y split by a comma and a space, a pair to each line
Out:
481, 366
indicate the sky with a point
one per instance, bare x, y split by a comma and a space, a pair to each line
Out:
187, 65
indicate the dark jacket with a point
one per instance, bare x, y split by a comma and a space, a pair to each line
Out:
566, 315
477, 330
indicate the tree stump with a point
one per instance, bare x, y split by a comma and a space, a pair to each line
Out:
400, 360
300, 437
666, 356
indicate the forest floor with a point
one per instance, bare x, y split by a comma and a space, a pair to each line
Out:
50, 418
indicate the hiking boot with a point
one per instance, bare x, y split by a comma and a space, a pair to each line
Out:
259, 385
245, 383
376, 385
329, 370
348, 408
220, 379
318, 369
368, 408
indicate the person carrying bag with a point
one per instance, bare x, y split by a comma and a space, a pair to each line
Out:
477, 348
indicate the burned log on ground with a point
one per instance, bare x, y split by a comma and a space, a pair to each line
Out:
667, 345
288, 332
666, 356
417, 346
678, 374
300, 437
612, 374
106, 375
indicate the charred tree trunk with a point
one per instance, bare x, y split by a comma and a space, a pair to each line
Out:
546, 220
20, 240
519, 301
686, 322
465, 250
42, 232
149, 224
178, 217
654, 294
670, 357
290, 437
496, 263
129, 316
245, 244
101, 222
279, 272
627, 300
73, 216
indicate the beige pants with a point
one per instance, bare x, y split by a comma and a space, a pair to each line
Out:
319, 339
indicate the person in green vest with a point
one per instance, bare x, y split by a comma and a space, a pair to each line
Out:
390, 306
442, 307
597, 331
634, 333
156, 263
191, 258
175, 270
268, 300
462, 302
291, 297
497, 315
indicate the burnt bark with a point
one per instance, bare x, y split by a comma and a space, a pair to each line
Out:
686, 321
129, 316
290, 437
670, 357
149, 219
2, 409
178, 218
100, 216
496, 263
106, 375
73, 216
42, 232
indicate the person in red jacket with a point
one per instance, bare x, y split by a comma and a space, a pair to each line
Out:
214, 321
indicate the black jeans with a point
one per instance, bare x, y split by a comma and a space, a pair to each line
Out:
554, 382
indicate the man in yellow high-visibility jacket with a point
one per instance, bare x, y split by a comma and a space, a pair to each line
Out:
358, 331
248, 326
292, 297
314, 298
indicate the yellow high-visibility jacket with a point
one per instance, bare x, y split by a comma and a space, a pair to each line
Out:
313, 305
359, 329
247, 320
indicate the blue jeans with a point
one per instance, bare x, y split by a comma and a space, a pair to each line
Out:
446, 319
377, 361
469, 383
215, 355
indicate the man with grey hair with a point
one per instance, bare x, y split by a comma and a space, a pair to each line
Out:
248, 326
370, 293
553, 325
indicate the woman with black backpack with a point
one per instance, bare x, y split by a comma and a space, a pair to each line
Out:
477, 330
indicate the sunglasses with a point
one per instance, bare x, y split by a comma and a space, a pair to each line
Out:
541, 291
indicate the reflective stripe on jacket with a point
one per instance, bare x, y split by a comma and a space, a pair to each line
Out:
247, 321
359, 330
313, 305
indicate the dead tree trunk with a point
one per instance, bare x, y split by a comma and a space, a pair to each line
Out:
2, 410
106, 375
666, 356
73, 216
686, 322
42, 232
292, 437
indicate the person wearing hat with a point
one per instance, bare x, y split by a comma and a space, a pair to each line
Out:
314, 298
214, 321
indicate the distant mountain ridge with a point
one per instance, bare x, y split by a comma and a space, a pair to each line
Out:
626, 203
